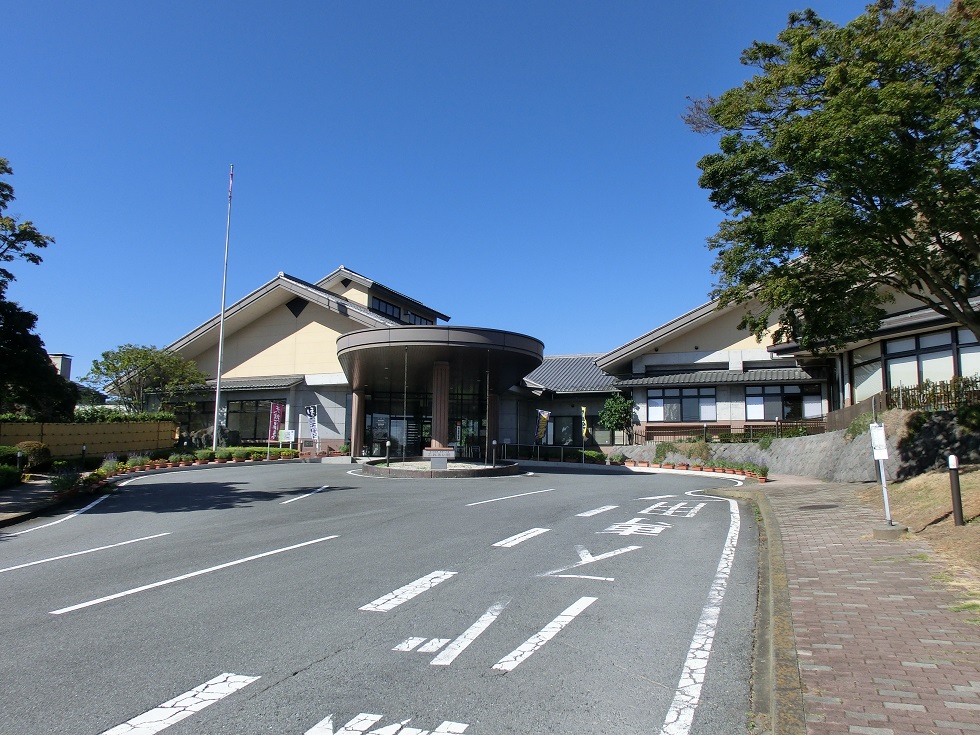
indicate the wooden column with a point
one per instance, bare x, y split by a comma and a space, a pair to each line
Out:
440, 404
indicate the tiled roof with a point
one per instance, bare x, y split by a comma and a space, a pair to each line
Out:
266, 382
570, 374
721, 377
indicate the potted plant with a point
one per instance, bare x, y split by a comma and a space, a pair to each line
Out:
203, 456
222, 455
239, 454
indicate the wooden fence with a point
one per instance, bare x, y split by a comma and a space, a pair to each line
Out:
937, 396
67, 440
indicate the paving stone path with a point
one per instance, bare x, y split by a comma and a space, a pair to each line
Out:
880, 650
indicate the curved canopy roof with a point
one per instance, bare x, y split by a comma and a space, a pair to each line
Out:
396, 358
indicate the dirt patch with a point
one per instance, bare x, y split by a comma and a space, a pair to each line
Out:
924, 504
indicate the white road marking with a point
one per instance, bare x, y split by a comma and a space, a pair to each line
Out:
80, 553
680, 715
682, 510
406, 593
596, 511
433, 645
409, 644
512, 660
415, 644
61, 520
508, 497
518, 538
637, 527
182, 706
459, 645
300, 497
182, 577
360, 724
585, 557
658, 497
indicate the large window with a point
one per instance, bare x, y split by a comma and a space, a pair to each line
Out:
411, 318
386, 308
866, 368
782, 402
681, 404
251, 418
911, 361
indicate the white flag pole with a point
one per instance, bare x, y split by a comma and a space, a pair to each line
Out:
221, 321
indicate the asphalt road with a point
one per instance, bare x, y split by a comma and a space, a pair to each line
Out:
306, 599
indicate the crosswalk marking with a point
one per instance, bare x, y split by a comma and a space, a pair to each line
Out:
176, 709
455, 648
406, 593
514, 659
359, 726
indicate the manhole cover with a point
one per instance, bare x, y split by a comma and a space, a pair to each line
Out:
818, 507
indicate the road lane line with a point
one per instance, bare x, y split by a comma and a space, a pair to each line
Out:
595, 511
80, 553
182, 577
406, 593
450, 652
61, 520
518, 538
300, 497
183, 706
512, 660
508, 497
680, 714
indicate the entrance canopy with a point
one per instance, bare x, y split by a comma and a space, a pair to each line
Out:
380, 359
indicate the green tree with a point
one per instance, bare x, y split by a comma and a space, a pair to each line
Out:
849, 170
29, 384
134, 372
18, 240
617, 414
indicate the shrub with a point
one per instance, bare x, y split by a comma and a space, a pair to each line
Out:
109, 463
858, 426
593, 456
288, 453
698, 451
109, 415
65, 481
137, 460
765, 441
663, 449
222, 453
9, 476
8, 456
343, 449
969, 417
240, 453
187, 458
175, 457
36, 455
205, 455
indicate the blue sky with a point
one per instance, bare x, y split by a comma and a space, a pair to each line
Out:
515, 165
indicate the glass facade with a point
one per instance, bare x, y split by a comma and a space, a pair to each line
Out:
406, 421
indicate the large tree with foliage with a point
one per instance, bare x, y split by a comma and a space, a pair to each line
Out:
135, 372
30, 386
617, 414
849, 169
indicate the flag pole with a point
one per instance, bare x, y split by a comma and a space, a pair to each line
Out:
221, 320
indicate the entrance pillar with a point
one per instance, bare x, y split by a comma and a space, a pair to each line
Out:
440, 404
357, 423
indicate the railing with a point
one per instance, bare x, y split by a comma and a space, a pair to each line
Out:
946, 396
725, 432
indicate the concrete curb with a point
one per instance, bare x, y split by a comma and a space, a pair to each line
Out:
777, 689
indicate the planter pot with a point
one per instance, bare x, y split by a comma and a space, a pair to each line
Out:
729, 472
763, 479
656, 465
237, 459
220, 461
740, 472
697, 468
667, 466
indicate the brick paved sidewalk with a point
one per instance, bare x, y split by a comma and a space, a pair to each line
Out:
880, 652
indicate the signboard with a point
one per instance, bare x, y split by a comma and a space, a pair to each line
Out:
287, 436
878, 444
311, 415
543, 418
448, 453
276, 412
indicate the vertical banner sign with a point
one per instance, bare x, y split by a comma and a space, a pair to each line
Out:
311, 415
275, 421
585, 426
543, 418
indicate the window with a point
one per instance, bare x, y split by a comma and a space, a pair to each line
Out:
411, 318
782, 402
681, 404
385, 308
913, 360
866, 371
251, 418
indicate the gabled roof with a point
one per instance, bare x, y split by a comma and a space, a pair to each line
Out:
620, 358
570, 374
280, 290
342, 273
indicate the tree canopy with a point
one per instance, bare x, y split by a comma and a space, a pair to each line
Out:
617, 414
135, 372
18, 240
848, 171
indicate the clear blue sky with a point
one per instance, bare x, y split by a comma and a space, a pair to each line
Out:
515, 165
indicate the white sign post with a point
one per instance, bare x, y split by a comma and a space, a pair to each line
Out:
880, 449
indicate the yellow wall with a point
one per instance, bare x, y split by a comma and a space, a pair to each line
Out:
720, 333
66, 440
280, 344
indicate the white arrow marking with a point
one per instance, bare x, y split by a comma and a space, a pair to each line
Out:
455, 648
512, 660
185, 705
586, 558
